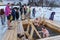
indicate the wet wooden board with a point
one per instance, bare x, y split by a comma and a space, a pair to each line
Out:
11, 34
26, 21
52, 25
51, 38
49, 23
32, 31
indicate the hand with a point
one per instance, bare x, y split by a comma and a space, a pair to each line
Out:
9, 13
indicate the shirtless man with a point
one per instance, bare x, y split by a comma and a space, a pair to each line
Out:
45, 32
36, 22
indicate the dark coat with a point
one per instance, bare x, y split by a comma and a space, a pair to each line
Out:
52, 16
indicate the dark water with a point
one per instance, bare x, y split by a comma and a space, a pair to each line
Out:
51, 31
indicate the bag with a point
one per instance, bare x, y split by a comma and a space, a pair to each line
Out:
11, 17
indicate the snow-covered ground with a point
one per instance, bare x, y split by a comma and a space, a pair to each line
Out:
40, 11
45, 11
3, 28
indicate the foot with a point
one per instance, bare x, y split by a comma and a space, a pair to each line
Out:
20, 36
10, 28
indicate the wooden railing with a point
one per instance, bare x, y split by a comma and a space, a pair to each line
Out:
30, 36
12, 34
48, 23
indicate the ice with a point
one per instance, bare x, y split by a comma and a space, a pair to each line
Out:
45, 11
3, 29
40, 12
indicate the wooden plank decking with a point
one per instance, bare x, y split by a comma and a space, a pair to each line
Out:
11, 34
52, 25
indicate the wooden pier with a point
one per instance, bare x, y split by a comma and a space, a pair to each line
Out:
18, 28
11, 34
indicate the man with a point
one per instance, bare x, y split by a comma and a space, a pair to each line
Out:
7, 13
36, 22
28, 11
52, 16
21, 10
45, 32
33, 12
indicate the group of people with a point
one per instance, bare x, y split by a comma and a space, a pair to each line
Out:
13, 14
25, 10
41, 28
39, 25
10, 14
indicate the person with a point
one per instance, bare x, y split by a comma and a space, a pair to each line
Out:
36, 22
13, 13
7, 13
25, 9
33, 12
21, 10
28, 11
52, 16
17, 14
2, 16
45, 32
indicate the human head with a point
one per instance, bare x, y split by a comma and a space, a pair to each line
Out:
33, 8
43, 28
1, 10
15, 8
36, 18
53, 13
25, 6
8, 4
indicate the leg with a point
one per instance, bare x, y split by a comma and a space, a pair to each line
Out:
8, 22
2, 19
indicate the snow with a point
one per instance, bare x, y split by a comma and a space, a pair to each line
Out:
3, 28
45, 11
40, 11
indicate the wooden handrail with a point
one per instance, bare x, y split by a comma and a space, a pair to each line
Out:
45, 22
32, 31
35, 30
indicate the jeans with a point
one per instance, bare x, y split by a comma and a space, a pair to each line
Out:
2, 19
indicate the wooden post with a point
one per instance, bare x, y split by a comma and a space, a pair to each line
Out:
36, 31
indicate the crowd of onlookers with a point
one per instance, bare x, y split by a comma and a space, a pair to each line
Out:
13, 14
